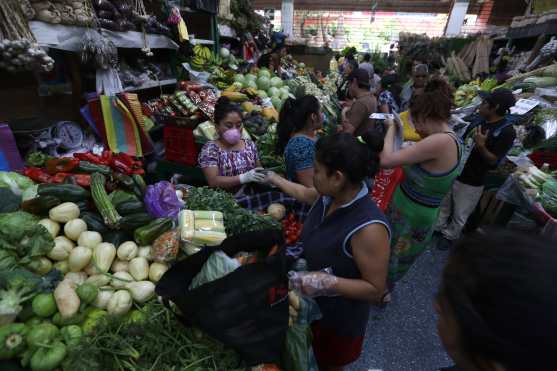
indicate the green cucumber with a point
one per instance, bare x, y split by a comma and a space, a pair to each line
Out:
94, 222
130, 207
90, 168
133, 221
40, 205
148, 233
64, 192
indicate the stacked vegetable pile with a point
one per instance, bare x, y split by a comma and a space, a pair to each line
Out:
543, 186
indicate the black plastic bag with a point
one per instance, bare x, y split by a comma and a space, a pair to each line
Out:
246, 310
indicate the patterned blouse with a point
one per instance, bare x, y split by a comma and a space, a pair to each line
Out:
386, 97
299, 153
229, 163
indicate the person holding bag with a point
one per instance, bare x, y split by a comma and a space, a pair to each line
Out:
345, 239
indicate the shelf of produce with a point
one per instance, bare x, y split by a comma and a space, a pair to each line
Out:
69, 38
152, 84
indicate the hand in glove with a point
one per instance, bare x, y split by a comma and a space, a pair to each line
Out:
313, 284
254, 175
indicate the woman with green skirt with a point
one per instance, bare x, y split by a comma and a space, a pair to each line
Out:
430, 167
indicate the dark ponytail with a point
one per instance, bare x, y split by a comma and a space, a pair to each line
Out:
356, 158
293, 117
223, 107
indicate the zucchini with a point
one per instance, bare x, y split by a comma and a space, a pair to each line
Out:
124, 180
133, 221
83, 205
90, 168
117, 237
40, 205
140, 185
102, 202
94, 222
64, 192
118, 196
148, 233
130, 207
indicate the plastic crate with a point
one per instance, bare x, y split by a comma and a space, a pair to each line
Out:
180, 145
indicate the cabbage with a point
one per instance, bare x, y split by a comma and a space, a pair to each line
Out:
251, 77
15, 182
277, 102
224, 53
250, 84
262, 94
239, 78
284, 95
274, 92
238, 85
263, 83
276, 82
264, 73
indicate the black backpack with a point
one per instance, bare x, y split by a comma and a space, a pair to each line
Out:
246, 310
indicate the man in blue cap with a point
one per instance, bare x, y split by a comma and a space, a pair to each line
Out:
493, 134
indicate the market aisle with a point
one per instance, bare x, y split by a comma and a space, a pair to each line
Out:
403, 337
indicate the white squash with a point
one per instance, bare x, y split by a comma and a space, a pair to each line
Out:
120, 280
63, 266
103, 256
51, 226
120, 303
74, 228
76, 277
156, 270
144, 252
276, 211
139, 268
119, 266
141, 291
79, 258
98, 280
89, 239
66, 298
62, 249
127, 251
103, 297
65, 212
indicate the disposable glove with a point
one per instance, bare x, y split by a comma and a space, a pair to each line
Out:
313, 284
254, 175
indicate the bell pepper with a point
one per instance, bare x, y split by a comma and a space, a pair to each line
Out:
83, 180
61, 165
106, 158
37, 175
12, 340
48, 358
88, 156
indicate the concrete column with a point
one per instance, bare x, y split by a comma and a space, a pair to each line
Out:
287, 17
456, 17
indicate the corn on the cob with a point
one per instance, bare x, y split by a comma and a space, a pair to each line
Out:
187, 225
209, 215
208, 238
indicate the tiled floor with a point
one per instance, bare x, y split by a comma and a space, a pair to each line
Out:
403, 336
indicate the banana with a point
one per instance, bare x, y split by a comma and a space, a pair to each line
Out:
235, 96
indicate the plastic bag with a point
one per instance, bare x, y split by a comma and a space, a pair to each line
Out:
217, 266
166, 246
161, 200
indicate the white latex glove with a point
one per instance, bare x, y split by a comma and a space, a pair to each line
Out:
254, 175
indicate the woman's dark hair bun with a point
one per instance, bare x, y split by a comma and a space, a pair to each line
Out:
356, 159
223, 107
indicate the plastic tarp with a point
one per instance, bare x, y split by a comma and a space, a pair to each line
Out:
69, 37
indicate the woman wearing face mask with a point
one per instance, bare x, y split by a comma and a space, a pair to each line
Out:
497, 305
297, 132
346, 232
229, 161
430, 167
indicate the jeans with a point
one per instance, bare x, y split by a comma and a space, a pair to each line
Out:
455, 209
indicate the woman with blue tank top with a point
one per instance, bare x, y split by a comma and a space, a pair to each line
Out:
296, 136
346, 244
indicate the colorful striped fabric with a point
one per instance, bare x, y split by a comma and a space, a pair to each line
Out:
121, 127
10, 159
